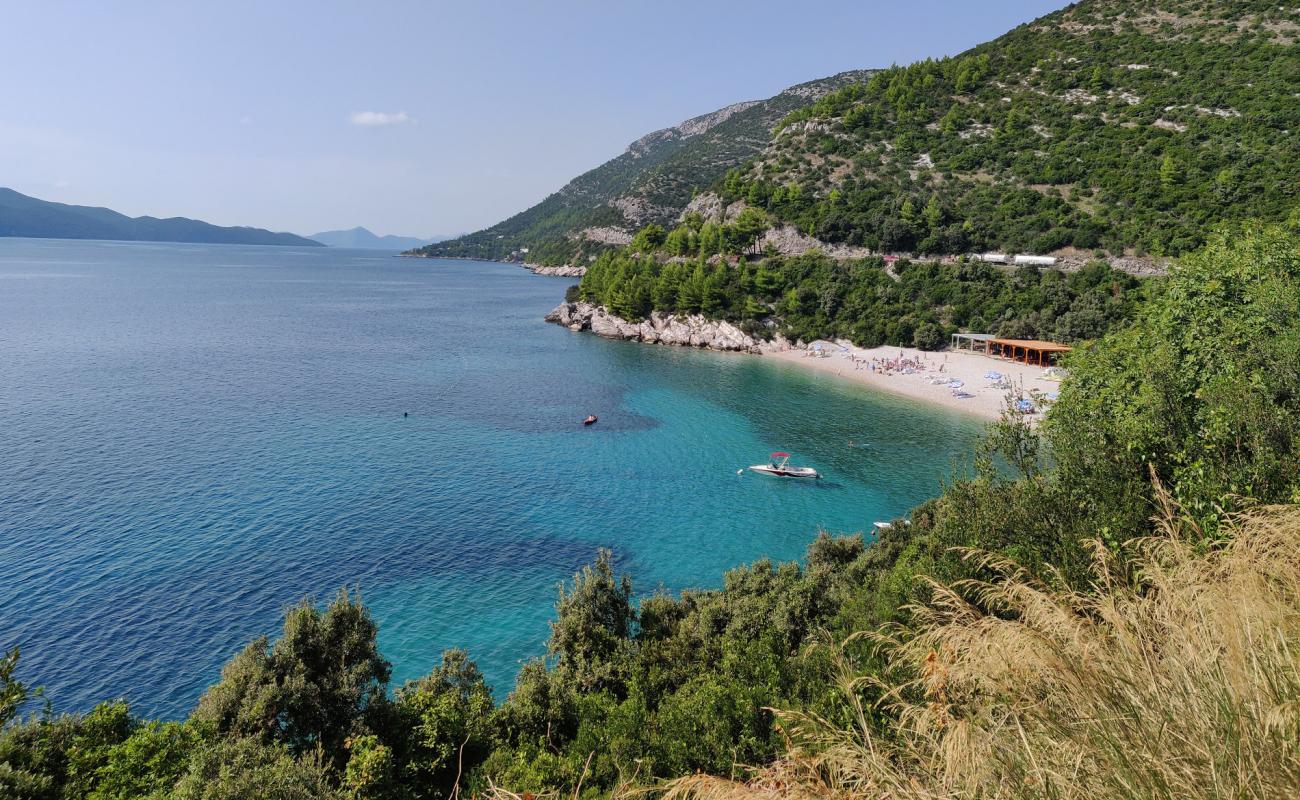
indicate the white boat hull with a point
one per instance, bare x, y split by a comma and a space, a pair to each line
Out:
785, 472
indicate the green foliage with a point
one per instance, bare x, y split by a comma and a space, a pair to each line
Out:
648, 239
310, 690
147, 764
1201, 390
56, 757
446, 717
920, 304
372, 770
242, 768
12, 692
593, 620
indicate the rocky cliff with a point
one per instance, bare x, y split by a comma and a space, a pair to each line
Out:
671, 329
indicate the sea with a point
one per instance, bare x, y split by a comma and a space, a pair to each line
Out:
195, 437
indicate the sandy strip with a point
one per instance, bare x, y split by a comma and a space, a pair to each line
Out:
987, 402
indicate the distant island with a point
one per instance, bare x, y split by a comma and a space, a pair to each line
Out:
363, 239
21, 215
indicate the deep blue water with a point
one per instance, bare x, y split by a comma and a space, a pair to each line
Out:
194, 437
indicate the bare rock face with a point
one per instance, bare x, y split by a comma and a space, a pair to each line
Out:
789, 242
691, 127
606, 235
671, 329
566, 271
638, 210
707, 204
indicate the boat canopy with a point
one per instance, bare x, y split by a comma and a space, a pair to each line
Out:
780, 455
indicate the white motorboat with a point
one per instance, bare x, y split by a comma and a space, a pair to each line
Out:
779, 465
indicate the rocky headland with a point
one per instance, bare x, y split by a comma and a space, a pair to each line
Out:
690, 330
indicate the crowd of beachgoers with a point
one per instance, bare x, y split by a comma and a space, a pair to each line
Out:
968, 381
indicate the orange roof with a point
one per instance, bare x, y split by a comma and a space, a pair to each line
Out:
1034, 344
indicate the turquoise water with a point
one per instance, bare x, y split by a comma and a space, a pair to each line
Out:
193, 437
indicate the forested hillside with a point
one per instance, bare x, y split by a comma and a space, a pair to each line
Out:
652, 181
919, 304
1109, 125
1116, 125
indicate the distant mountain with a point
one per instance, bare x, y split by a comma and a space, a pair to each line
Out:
652, 181
363, 239
21, 215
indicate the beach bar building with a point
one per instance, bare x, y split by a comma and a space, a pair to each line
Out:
975, 342
1028, 351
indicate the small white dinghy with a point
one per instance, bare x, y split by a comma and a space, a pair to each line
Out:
780, 467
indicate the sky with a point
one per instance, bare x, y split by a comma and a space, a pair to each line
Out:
416, 118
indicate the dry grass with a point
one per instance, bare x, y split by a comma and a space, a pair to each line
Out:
1175, 677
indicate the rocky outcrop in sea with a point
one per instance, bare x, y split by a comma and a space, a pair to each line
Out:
673, 329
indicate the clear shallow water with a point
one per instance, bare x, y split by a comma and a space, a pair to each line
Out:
194, 437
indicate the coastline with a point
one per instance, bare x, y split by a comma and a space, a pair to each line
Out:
905, 371
986, 401
563, 271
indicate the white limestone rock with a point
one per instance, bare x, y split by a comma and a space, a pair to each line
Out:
668, 329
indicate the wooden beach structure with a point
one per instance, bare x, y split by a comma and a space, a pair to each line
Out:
1027, 351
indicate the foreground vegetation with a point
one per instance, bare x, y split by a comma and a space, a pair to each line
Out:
991, 682
1174, 676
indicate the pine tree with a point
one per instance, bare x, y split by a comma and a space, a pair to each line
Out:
908, 212
1170, 173
933, 212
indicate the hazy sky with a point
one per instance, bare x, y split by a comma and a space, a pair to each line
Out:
405, 117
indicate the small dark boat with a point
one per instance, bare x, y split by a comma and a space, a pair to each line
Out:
590, 420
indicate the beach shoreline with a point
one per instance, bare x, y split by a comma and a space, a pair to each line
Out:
959, 380
985, 399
